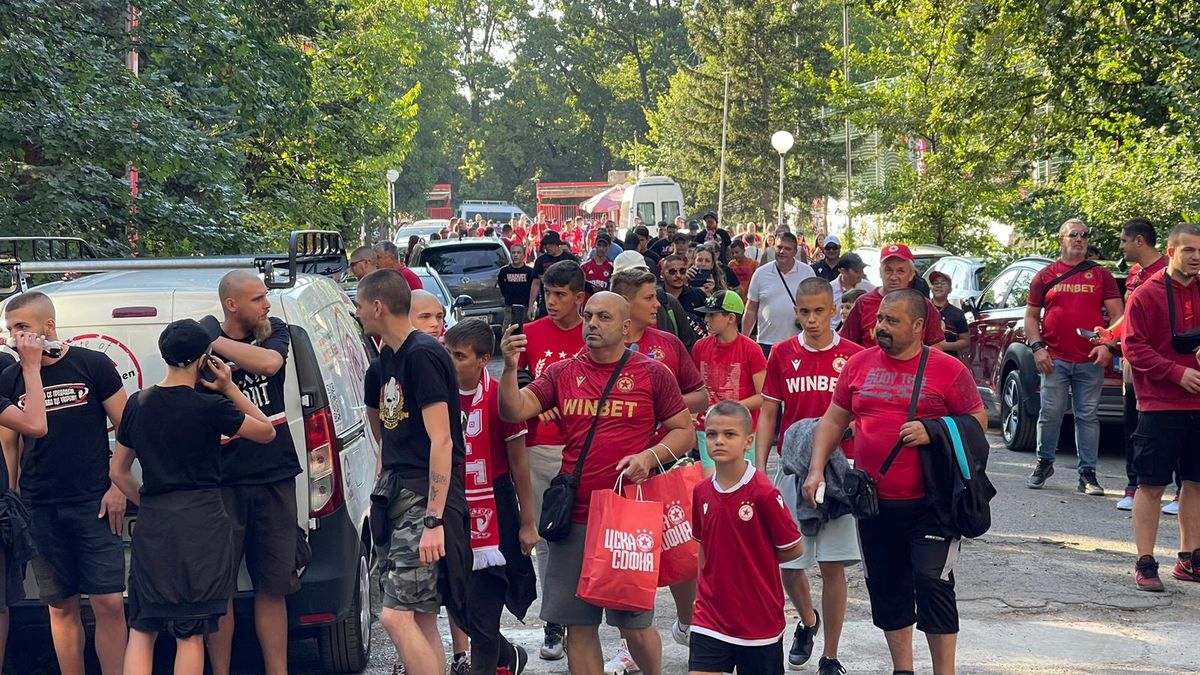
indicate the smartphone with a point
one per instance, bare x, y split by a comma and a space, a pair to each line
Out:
701, 278
1085, 333
206, 370
517, 318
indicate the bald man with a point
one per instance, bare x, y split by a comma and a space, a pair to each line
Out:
77, 515
259, 480
427, 314
644, 395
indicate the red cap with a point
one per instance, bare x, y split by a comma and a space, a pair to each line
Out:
895, 251
938, 274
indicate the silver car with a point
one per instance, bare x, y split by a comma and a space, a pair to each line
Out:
468, 266
966, 277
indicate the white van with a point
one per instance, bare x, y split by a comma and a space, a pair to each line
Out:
122, 313
653, 199
501, 212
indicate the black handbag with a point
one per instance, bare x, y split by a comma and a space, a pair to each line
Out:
862, 491
558, 501
1188, 341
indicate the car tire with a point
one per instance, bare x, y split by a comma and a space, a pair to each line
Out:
345, 647
1017, 427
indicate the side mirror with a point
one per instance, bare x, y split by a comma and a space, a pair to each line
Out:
968, 307
463, 301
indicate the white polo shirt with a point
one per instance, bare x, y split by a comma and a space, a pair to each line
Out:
776, 307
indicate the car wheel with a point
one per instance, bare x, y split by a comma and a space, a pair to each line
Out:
345, 647
1018, 428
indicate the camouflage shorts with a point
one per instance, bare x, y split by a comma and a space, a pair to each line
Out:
407, 584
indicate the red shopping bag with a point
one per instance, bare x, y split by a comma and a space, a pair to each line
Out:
681, 553
621, 553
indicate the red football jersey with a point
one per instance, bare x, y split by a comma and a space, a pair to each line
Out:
859, 326
739, 598
548, 344
597, 274
644, 395
669, 351
803, 379
1074, 303
481, 410
728, 370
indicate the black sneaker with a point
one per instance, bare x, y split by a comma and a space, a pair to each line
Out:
1041, 472
1088, 484
828, 666
802, 643
552, 647
522, 660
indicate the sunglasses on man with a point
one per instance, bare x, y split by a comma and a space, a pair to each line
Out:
1078, 235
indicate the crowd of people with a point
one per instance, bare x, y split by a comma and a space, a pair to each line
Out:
650, 353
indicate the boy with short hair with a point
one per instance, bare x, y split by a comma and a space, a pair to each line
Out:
732, 365
745, 531
847, 304
427, 314
499, 496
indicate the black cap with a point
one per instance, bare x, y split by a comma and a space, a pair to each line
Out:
551, 237
708, 215
183, 341
851, 261
603, 237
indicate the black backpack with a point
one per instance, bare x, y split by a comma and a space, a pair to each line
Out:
964, 502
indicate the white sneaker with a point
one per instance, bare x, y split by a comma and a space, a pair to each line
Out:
1126, 503
1172, 508
682, 634
622, 663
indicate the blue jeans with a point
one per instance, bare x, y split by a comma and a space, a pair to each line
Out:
1083, 382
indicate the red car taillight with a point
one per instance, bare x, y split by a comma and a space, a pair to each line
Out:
324, 467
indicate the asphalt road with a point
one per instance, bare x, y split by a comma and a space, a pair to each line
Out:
1048, 590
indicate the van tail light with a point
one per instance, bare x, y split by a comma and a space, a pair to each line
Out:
324, 465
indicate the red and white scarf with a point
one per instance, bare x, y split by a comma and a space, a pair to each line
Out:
481, 496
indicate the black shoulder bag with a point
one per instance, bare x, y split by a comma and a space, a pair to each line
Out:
862, 491
558, 500
783, 281
1081, 267
1188, 341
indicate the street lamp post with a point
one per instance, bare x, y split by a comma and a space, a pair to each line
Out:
782, 142
392, 176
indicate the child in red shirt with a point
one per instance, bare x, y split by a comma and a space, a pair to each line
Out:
745, 531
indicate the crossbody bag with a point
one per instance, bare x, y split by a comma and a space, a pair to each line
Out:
783, 281
558, 501
862, 491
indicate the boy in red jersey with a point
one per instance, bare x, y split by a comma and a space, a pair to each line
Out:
745, 531
802, 374
732, 365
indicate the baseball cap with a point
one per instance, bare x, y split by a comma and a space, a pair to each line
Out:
851, 261
551, 237
895, 251
938, 274
832, 240
723, 301
183, 341
603, 237
628, 260
708, 215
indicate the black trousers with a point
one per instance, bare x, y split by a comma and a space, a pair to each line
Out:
485, 600
1131, 423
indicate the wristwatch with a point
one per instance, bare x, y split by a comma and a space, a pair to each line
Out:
432, 522
1037, 346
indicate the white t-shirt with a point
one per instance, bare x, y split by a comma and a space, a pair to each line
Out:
776, 307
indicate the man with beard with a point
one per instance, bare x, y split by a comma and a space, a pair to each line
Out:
675, 283
624, 432
898, 271
258, 480
909, 562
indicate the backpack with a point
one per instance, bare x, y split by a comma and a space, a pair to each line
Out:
971, 491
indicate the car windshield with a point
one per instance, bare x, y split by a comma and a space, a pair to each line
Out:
434, 287
464, 259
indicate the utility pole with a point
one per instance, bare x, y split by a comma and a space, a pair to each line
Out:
846, 71
724, 133
131, 61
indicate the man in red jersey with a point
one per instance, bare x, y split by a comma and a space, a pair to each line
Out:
744, 530
897, 270
644, 396
909, 562
1071, 294
1161, 344
552, 338
387, 257
801, 375
598, 268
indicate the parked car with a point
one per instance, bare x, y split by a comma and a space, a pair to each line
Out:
1002, 363
469, 266
122, 313
924, 255
966, 276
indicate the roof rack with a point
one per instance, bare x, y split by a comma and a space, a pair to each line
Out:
309, 252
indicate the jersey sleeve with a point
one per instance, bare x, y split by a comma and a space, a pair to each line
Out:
429, 380
1109, 285
842, 393
105, 377
774, 512
225, 416
755, 358
689, 375
964, 397
668, 401
545, 387
773, 384
1037, 290
371, 385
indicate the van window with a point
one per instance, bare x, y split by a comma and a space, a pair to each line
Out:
645, 211
463, 259
669, 211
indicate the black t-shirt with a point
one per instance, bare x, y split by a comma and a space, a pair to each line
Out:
658, 246
954, 323
823, 270
176, 434
400, 385
4, 404
691, 298
514, 283
246, 462
6, 360
70, 463
545, 260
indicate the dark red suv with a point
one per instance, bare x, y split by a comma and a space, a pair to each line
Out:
1002, 363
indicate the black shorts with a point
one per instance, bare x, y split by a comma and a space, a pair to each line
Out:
1166, 442
12, 586
76, 551
709, 655
910, 568
266, 532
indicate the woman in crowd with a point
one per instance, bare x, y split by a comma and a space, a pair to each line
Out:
706, 266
